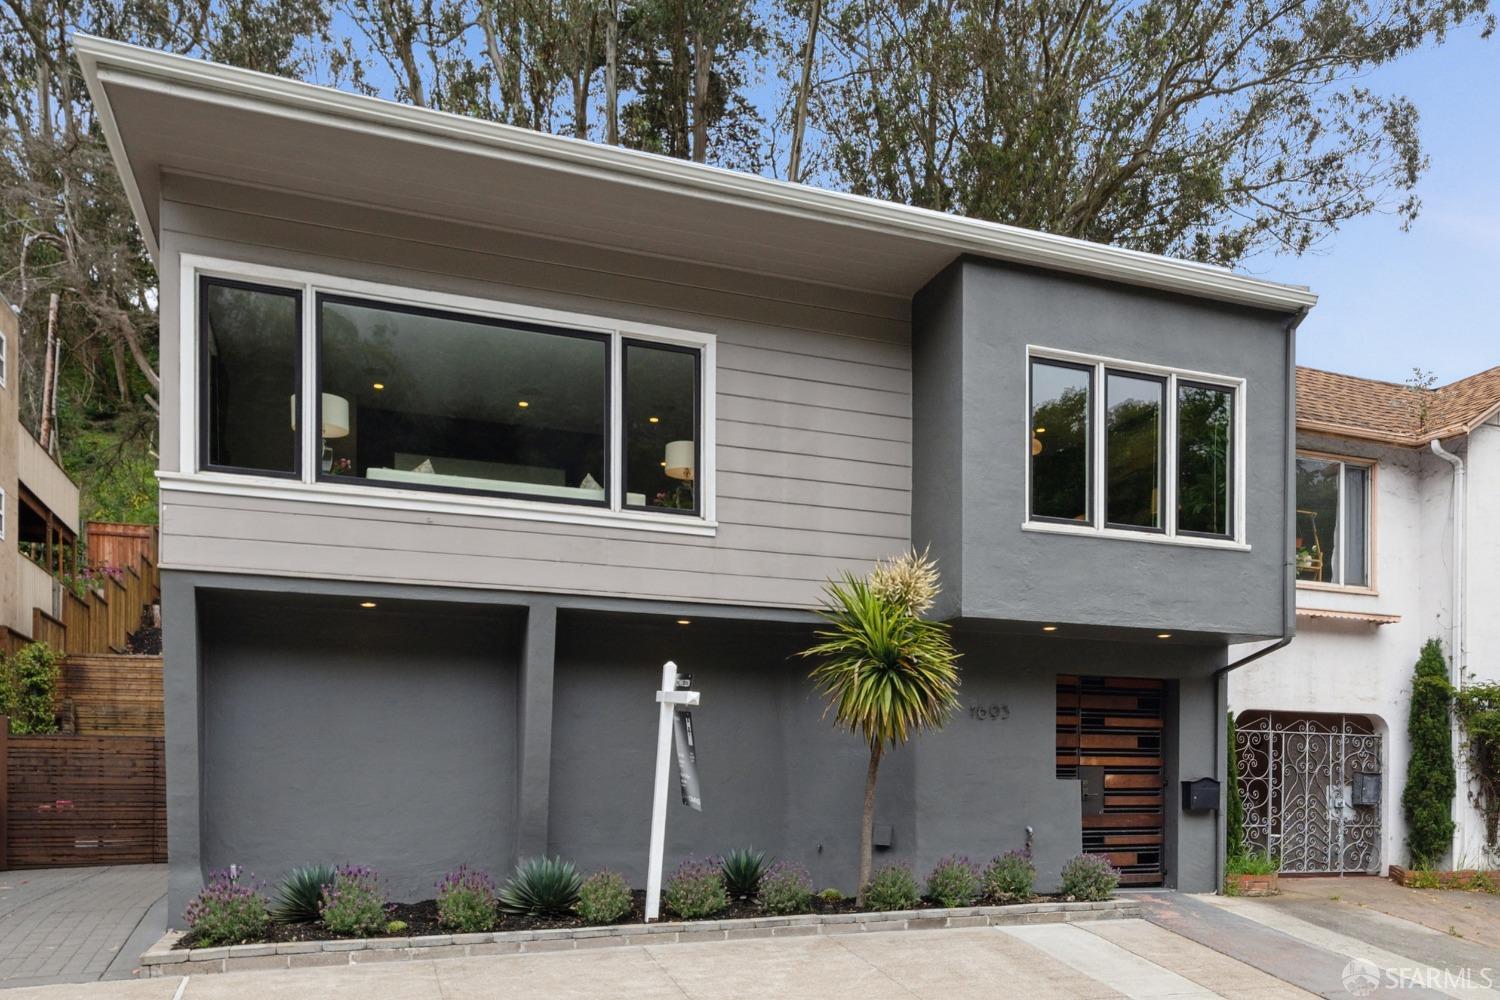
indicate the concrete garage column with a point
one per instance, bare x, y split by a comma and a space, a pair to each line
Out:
182, 682
534, 728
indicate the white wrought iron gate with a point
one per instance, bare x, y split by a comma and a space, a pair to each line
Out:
1311, 787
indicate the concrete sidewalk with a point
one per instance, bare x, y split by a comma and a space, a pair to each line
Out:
76, 925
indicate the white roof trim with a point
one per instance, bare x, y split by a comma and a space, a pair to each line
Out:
103, 60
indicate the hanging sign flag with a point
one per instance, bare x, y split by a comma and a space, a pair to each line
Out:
687, 760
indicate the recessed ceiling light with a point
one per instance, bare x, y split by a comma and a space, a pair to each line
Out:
1164, 635
523, 404
654, 420
379, 385
367, 604
1049, 628
664, 465
1041, 430
684, 621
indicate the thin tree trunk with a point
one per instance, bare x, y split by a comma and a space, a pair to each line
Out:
612, 75
867, 825
45, 430
799, 116
702, 67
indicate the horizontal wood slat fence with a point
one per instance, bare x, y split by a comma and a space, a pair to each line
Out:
82, 800
113, 695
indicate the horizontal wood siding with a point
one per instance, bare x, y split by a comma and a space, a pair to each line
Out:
813, 408
114, 695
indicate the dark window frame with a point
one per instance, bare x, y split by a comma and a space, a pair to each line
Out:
1089, 448
1161, 450
1231, 460
205, 281
610, 431
697, 355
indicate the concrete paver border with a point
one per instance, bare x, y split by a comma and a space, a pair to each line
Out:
163, 959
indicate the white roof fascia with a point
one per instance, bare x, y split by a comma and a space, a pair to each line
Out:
108, 61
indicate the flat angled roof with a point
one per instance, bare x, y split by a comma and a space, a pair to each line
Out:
164, 113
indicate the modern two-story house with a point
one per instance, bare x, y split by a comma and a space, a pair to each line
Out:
466, 430
1396, 537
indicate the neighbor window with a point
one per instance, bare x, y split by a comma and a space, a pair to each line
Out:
1161, 459
2, 513
1333, 521
661, 426
251, 344
4, 359
419, 398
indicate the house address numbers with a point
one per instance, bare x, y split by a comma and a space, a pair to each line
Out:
993, 712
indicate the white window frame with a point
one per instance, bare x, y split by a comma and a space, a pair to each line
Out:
1169, 534
1372, 474
4, 363
4, 510
192, 478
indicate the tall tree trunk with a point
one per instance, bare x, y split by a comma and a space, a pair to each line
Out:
867, 825
48, 355
799, 116
612, 75
702, 66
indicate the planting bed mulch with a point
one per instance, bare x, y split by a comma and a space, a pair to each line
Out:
422, 918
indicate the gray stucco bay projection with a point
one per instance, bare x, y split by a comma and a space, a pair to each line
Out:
393, 737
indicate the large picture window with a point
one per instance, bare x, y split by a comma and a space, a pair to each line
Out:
1333, 521
1154, 450
518, 405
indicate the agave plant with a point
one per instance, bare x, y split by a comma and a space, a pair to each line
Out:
743, 869
542, 887
300, 894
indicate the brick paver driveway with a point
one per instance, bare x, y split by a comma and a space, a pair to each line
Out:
74, 925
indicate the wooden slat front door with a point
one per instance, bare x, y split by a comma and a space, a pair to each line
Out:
1115, 723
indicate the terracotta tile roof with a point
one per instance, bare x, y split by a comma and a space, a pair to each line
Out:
1331, 403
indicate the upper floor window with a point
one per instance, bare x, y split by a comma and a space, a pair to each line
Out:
433, 399
1133, 448
1333, 521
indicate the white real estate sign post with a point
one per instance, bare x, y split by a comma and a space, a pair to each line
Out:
668, 698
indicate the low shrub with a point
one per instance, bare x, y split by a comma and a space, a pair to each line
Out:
466, 901
354, 902
227, 911
893, 887
954, 881
1089, 878
743, 869
28, 689
604, 898
1009, 877
1251, 864
542, 887
785, 888
299, 898
831, 895
696, 890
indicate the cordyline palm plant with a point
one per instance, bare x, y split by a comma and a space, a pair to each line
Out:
886, 671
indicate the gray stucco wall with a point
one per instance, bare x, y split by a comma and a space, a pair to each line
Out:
1007, 573
334, 734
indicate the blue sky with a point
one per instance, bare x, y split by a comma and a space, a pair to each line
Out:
1391, 301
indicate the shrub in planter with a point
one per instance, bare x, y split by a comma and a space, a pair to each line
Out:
604, 898
786, 888
1250, 875
466, 901
1089, 878
743, 869
954, 882
354, 902
542, 887
696, 890
300, 895
1009, 877
831, 895
227, 911
28, 689
892, 887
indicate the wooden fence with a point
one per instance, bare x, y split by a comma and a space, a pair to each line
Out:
102, 620
82, 800
113, 695
121, 544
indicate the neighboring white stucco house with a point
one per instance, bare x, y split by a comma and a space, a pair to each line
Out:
1382, 549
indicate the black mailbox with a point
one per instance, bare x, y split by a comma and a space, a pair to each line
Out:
1200, 794
1365, 789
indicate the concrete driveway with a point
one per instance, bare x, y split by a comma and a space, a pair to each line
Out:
78, 925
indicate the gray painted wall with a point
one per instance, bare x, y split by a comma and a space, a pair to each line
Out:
335, 734
813, 407
978, 456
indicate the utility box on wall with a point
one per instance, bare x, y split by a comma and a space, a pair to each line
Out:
1365, 789
1200, 794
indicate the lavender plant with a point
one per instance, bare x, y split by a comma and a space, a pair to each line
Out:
227, 911
785, 888
1089, 878
954, 882
354, 904
466, 901
892, 887
604, 898
1009, 877
696, 889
